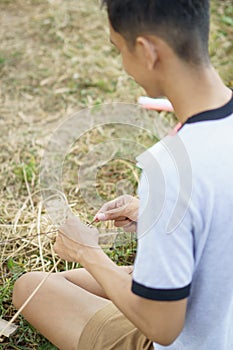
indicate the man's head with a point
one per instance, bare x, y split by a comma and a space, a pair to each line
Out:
182, 24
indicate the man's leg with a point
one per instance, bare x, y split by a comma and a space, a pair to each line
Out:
63, 306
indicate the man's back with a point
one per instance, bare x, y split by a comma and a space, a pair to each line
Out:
210, 310
207, 138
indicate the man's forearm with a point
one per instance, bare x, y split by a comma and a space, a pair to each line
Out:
146, 315
116, 284
159, 321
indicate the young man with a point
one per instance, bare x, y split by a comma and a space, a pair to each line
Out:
180, 295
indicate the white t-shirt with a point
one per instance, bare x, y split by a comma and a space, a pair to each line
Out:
185, 228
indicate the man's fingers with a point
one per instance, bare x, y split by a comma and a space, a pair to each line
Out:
122, 223
108, 206
109, 215
122, 218
112, 214
57, 243
100, 217
115, 208
127, 225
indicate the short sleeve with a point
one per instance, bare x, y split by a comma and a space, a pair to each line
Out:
165, 261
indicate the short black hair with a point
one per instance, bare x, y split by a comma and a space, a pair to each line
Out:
183, 24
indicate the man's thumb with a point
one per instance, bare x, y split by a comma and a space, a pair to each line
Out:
100, 217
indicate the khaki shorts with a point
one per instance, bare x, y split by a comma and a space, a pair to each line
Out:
110, 330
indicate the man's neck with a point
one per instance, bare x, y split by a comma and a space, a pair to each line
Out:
196, 91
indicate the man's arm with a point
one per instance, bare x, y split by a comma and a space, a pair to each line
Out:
160, 321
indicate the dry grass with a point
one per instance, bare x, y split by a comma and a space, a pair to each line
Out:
55, 58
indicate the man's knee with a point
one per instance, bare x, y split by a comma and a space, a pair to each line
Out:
25, 286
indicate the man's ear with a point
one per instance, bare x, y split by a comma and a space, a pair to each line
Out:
147, 51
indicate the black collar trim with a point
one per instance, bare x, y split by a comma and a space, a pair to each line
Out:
214, 114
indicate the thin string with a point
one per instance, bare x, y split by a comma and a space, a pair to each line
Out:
28, 237
9, 323
36, 235
39, 285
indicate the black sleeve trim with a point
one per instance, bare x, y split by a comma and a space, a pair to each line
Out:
160, 294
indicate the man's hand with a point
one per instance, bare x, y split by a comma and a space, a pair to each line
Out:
123, 210
74, 239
